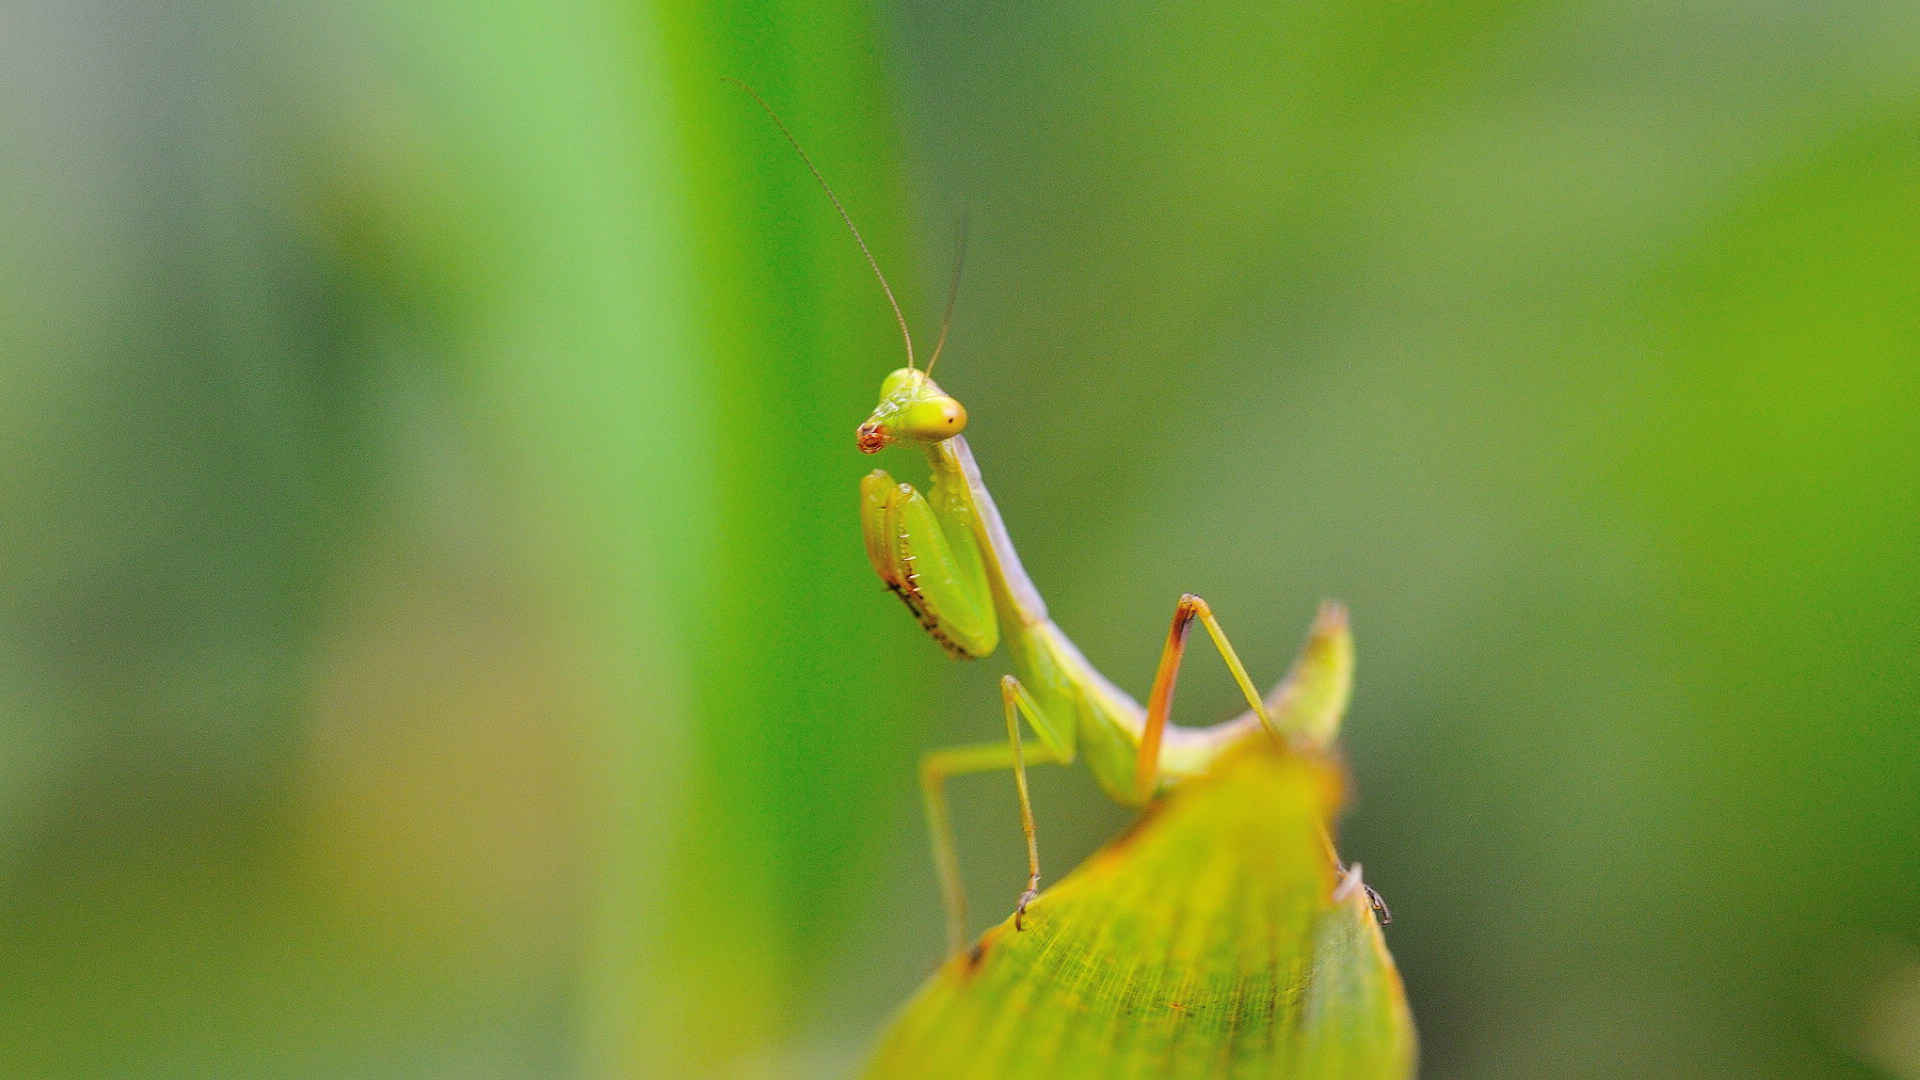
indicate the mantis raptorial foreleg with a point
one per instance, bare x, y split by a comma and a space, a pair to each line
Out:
937, 765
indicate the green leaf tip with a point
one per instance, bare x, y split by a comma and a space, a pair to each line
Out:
1203, 942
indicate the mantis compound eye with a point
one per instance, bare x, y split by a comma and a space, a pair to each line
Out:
932, 419
900, 381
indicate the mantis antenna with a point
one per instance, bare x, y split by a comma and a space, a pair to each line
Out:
844, 216
953, 293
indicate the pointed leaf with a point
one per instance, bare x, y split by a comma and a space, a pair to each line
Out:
1205, 942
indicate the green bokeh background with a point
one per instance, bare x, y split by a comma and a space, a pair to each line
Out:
434, 634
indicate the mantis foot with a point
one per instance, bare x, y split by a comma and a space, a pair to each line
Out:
1020, 911
1349, 881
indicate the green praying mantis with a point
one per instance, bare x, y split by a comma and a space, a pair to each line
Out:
947, 555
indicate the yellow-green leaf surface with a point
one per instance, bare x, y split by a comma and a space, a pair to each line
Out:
1205, 942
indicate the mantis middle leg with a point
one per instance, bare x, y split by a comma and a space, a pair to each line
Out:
937, 765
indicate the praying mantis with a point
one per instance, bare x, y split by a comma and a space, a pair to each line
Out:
947, 555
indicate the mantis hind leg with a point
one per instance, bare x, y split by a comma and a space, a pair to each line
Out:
1160, 700
937, 765
1350, 881
1308, 703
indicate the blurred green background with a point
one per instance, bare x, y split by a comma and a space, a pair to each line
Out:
435, 638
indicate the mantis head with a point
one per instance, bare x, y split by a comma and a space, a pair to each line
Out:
912, 407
